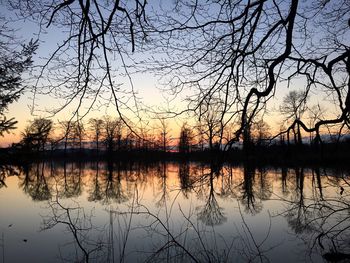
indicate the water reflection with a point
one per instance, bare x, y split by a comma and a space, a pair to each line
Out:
34, 182
186, 211
211, 213
6, 171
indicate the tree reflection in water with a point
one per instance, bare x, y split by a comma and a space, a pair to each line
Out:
298, 215
112, 183
248, 198
186, 180
90, 245
163, 189
72, 181
211, 213
35, 182
95, 194
6, 171
321, 220
315, 204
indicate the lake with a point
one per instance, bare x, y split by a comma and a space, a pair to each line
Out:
173, 212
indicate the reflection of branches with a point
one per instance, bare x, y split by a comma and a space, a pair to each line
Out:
321, 220
252, 249
5, 171
284, 180
333, 219
264, 187
72, 181
195, 238
227, 183
163, 185
113, 187
96, 193
35, 183
77, 222
318, 181
172, 239
298, 216
211, 213
193, 241
248, 197
186, 183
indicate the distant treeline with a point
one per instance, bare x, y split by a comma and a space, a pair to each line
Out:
109, 138
327, 154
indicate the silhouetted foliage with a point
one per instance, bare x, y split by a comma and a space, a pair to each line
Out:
36, 134
15, 59
185, 140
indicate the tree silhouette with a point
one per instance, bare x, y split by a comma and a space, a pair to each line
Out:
293, 107
15, 59
78, 133
99, 35
164, 134
36, 134
66, 133
235, 54
96, 126
260, 132
210, 122
111, 132
244, 52
185, 140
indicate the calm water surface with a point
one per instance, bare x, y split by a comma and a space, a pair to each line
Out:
173, 212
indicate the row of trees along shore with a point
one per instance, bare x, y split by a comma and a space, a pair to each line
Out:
106, 136
228, 60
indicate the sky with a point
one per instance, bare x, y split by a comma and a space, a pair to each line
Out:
147, 87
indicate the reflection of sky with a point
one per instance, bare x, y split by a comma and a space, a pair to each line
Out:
26, 216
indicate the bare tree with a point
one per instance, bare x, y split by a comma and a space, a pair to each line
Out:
240, 52
210, 122
96, 125
36, 134
97, 39
111, 128
260, 132
185, 140
66, 130
72, 134
78, 133
244, 51
315, 113
293, 108
164, 134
